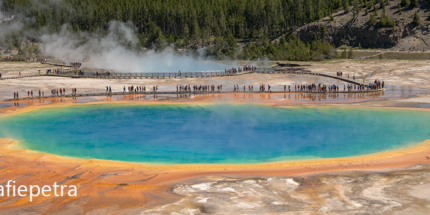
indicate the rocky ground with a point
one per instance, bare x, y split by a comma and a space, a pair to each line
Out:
355, 31
396, 192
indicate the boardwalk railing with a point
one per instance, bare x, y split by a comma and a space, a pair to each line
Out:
308, 72
191, 92
202, 74
219, 73
60, 71
23, 76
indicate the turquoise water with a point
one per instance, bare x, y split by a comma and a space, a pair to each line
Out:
177, 134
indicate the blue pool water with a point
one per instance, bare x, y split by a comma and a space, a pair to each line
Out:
177, 134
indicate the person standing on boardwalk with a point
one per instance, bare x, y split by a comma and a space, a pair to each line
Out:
14, 95
39, 93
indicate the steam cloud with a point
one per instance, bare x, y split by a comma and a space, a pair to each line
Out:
113, 52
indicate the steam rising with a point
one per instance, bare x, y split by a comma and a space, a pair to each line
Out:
116, 51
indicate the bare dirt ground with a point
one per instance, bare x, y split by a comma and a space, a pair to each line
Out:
12, 69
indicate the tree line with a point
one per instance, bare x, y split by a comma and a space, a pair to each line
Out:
192, 24
241, 18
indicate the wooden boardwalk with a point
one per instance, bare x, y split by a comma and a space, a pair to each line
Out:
66, 73
308, 72
188, 93
23, 76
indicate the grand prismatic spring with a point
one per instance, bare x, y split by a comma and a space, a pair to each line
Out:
224, 151
214, 133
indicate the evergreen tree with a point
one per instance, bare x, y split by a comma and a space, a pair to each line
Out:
346, 6
356, 9
195, 30
186, 33
372, 19
416, 21
192, 23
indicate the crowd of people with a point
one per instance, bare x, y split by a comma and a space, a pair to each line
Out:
198, 88
240, 69
133, 88
80, 72
316, 87
76, 64
61, 91
54, 92
54, 71
377, 84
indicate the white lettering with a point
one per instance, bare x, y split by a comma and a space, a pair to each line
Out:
22, 188
10, 189
55, 188
8, 186
32, 193
75, 190
46, 188
62, 187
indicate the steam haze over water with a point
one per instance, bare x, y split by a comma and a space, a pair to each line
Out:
115, 52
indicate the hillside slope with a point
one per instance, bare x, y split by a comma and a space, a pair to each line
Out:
346, 29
